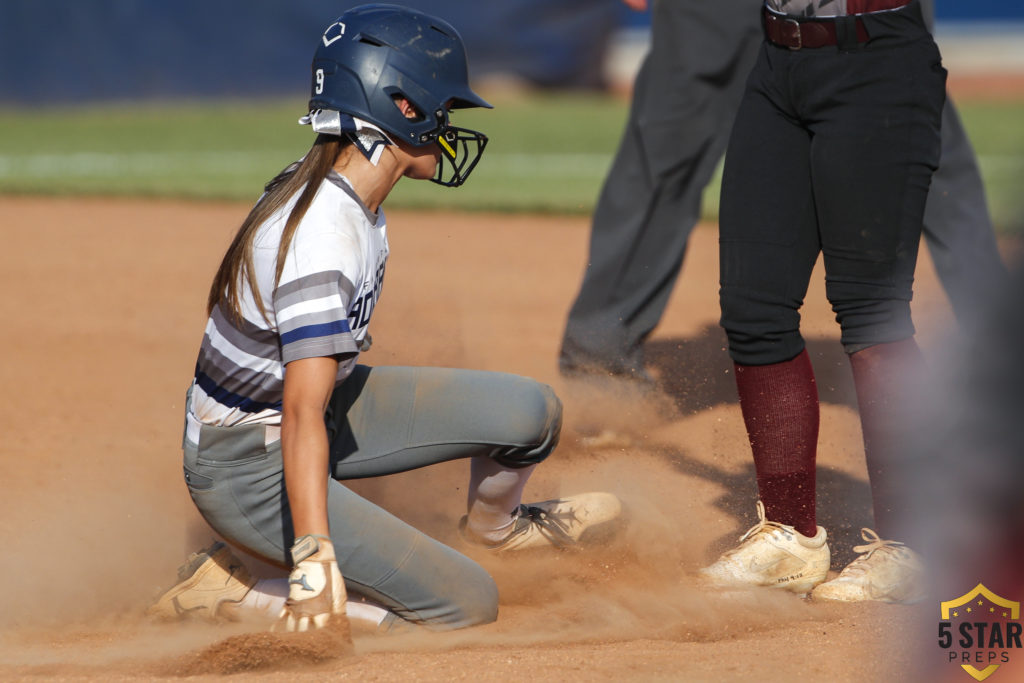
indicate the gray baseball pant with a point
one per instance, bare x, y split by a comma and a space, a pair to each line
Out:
381, 421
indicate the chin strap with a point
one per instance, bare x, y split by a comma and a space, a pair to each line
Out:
368, 138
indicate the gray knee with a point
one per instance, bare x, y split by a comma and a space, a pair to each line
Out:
533, 425
443, 590
477, 602
472, 602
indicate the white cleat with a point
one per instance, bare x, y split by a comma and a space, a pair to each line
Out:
886, 571
773, 555
210, 585
561, 523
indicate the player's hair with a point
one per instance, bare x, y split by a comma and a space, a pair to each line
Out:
303, 177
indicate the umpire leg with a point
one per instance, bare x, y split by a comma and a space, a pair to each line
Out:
683, 103
958, 228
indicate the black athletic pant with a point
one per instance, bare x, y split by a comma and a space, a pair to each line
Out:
832, 151
683, 106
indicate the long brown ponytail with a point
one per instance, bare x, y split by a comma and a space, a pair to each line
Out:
305, 175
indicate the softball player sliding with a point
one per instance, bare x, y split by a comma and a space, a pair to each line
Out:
279, 411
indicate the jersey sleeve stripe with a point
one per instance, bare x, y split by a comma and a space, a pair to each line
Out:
316, 318
341, 347
329, 308
292, 291
328, 329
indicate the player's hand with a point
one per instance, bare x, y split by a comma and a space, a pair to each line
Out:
316, 592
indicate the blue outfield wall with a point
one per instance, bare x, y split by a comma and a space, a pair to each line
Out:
87, 50
979, 10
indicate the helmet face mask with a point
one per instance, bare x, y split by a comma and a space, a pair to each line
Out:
374, 54
461, 149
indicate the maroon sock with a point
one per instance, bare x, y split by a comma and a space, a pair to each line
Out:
885, 376
780, 409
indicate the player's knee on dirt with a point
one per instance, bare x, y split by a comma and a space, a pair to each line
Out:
533, 426
759, 332
477, 601
473, 601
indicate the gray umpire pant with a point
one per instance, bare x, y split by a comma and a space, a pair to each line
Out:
381, 421
684, 103
957, 225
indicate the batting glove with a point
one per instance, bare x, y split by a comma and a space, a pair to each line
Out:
316, 592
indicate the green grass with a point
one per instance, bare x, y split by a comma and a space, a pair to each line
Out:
996, 129
224, 150
547, 153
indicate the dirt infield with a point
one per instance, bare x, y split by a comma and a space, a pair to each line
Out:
102, 321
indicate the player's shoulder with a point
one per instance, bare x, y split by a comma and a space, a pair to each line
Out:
337, 228
337, 208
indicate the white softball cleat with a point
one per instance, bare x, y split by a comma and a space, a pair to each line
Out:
886, 571
773, 555
210, 585
568, 522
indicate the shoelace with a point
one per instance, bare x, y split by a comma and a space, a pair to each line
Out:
763, 524
553, 525
874, 544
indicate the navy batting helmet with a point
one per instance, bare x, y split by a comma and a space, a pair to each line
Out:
374, 54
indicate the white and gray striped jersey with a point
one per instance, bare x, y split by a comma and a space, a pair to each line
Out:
810, 8
331, 281
832, 8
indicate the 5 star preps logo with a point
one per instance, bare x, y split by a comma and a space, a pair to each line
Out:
980, 631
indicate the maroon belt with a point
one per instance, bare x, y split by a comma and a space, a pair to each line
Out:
800, 33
